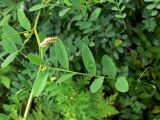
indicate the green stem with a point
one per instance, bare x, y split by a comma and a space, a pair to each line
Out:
69, 71
28, 106
37, 36
41, 54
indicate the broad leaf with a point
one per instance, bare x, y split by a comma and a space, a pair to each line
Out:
23, 20
88, 60
96, 84
61, 54
64, 78
109, 67
9, 59
122, 84
35, 59
38, 6
39, 83
11, 34
95, 14
5, 81
8, 44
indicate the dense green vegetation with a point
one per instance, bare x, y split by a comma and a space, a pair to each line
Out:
79, 59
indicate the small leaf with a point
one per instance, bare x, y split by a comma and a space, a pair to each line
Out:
5, 81
148, 0
117, 42
88, 60
38, 6
61, 54
39, 83
35, 59
95, 14
9, 59
63, 12
109, 67
64, 78
154, 12
96, 84
115, 8
122, 8
151, 6
23, 20
122, 84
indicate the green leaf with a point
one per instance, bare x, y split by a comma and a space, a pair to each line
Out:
63, 12
5, 81
5, 20
8, 44
122, 84
112, 1
96, 84
23, 20
38, 6
35, 59
109, 67
39, 83
76, 4
88, 60
118, 42
68, 2
148, 0
64, 77
115, 8
11, 34
95, 14
9, 59
154, 12
6, 2
158, 6
151, 6
61, 54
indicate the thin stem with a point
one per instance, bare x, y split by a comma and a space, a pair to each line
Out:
37, 36
41, 54
69, 71
25, 42
28, 106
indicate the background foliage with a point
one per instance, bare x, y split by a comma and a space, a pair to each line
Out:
122, 35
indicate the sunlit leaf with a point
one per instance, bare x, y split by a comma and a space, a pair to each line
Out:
39, 83
11, 34
23, 20
109, 67
8, 44
95, 14
61, 54
88, 60
64, 78
38, 6
5, 81
122, 84
63, 12
96, 84
9, 59
35, 59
